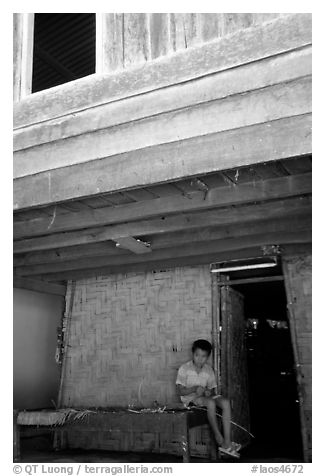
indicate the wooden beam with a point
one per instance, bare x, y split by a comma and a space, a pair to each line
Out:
109, 42
271, 141
23, 40
168, 240
185, 250
259, 106
245, 46
153, 265
106, 248
201, 91
264, 279
250, 252
275, 209
215, 197
39, 286
131, 244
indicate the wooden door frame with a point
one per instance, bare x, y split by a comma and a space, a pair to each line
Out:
216, 282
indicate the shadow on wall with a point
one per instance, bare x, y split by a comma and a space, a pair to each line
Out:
36, 375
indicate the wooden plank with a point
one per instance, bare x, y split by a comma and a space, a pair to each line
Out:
212, 25
236, 21
216, 197
23, 41
159, 34
265, 279
167, 240
39, 286
153, 265
259, 18
109, 48
204, 248
105, 248
283, 34
260, 106
163, 224
260, 74
271, 141
136, 246
136, 38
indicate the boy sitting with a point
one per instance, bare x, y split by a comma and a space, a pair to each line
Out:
196, 385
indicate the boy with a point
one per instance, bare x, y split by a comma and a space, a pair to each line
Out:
196, 385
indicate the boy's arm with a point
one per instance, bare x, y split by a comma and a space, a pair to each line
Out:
188, 390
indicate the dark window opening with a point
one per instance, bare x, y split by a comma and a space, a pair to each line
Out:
64, 48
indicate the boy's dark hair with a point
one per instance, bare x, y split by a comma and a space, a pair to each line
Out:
203, 345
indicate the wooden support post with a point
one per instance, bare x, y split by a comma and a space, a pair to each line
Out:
23, 54
298, 369
185, 443
216, 326
16, 438
214, 453
66, 337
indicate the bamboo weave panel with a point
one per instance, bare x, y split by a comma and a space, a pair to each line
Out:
130, 333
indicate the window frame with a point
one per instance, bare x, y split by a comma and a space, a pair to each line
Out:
24, 47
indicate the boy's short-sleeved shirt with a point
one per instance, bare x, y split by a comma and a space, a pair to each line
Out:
189, 377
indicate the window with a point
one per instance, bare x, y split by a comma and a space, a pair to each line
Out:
64, 48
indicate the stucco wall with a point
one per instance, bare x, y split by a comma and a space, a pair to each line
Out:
36, 317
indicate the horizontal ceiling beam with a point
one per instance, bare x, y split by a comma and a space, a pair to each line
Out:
156, 266
274, 140
196, 249
215, 197
164, 224
167, 240
39, 286
152, 265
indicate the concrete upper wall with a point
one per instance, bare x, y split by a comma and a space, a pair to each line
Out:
170, 118
36, 317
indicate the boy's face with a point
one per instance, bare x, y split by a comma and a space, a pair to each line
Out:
200, 357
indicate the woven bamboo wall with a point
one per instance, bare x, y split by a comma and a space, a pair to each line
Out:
298, 275
129, 334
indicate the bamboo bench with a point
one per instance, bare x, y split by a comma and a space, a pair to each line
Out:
172, 423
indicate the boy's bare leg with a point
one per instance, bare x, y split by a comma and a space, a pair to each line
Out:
211, 410
224, 404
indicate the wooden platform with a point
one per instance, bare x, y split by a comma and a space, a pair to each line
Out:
172, 423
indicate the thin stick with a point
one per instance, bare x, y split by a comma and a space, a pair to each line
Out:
66, 337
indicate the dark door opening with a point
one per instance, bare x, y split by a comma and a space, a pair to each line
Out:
272, 394
64, 48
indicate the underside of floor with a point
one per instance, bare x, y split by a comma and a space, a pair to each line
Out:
191, 221
39, 449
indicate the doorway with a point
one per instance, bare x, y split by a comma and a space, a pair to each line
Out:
257, 363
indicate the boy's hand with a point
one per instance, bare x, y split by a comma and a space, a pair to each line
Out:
199, 391
207, 393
